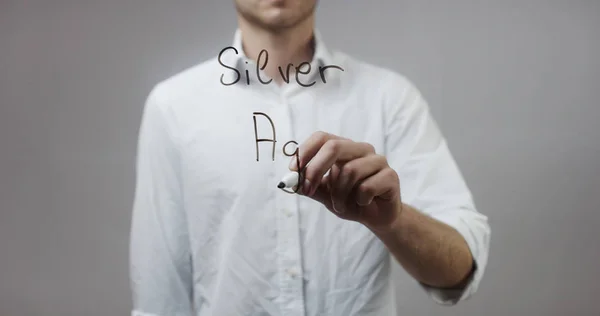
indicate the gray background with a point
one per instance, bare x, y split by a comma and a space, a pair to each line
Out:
515, 85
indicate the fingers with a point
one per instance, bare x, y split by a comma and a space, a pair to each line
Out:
383, 184
322, 193
353, 173
334, 173
324, 159
311, 146
331, 152
341, 173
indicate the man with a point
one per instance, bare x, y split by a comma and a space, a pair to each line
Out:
213, 235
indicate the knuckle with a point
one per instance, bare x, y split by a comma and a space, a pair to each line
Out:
381, 160
333, 144
334, 172
320, 135
365, 189
369, 147
349, 169
391, 173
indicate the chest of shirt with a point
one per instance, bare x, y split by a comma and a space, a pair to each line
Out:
237, 218
236, 139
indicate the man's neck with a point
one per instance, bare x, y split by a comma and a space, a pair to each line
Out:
293, 46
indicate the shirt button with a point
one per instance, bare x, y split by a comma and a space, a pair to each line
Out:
287, 212
292, 272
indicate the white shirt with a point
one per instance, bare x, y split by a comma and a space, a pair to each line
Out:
213, 235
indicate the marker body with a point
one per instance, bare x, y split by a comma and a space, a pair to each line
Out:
290, 180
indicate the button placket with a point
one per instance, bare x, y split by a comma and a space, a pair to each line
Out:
288, 242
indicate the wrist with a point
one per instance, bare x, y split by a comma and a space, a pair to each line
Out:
394, 226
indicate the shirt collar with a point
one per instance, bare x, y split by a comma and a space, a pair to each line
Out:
322, 56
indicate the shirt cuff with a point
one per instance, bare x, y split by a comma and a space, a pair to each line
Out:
475, 240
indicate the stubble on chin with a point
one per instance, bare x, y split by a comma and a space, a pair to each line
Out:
275, 26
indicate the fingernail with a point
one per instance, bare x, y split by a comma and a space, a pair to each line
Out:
313, 190
360, 202
292, 165
306, 187
335, 208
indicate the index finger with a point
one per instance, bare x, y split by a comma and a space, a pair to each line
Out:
309, 148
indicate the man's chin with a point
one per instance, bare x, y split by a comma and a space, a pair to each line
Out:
275, 16
276, 3
278, 23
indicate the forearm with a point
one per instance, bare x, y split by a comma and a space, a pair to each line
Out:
430, 251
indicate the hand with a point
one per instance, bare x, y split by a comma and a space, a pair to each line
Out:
360, 185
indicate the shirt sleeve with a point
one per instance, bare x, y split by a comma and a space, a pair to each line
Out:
160, 261
430, 179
